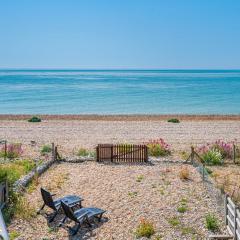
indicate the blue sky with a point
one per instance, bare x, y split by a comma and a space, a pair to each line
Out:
120, 34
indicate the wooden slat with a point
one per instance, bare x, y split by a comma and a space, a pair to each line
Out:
238, 213
231, 202
229, 207
238, 222
122, 153
230, 221
238, 235
229, 230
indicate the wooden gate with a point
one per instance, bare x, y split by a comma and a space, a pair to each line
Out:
122, 153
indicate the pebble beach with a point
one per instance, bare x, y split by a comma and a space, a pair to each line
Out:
128, 194
71, 135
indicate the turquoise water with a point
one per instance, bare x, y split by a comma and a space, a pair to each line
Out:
119, 92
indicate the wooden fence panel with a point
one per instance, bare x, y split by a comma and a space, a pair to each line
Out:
232, 218
127, 153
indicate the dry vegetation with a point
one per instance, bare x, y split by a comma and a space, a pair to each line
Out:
227, 178
129, 194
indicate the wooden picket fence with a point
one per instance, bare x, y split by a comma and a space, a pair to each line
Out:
232, 218
128, 153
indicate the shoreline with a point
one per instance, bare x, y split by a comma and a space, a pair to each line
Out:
124, 117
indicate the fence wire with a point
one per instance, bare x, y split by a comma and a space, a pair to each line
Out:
213, 191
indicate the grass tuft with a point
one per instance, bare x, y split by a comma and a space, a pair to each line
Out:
145, 229
211, 222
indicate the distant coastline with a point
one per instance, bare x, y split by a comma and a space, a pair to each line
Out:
124, 117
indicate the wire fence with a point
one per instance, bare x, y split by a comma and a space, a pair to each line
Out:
209, 183
225, 204
12, 151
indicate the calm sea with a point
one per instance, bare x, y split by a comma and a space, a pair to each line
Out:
119, 92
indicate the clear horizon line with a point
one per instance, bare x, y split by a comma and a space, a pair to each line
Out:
124, 69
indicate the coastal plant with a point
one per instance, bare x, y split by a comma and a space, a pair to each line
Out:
13, 150
13, 235
182, 208
132, 194
23, 209
46, 149
174, 221
140, 178
224, 148
11, 172
213, 157
145, 229
174, 120
83, 152
211, 222
184, 173
184, 155
34, 119
158, 148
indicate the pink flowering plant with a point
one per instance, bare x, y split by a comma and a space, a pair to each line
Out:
14, 150
215, 153
158, 148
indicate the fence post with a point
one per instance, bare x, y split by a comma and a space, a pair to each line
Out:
111, 153
226, 208
5, 149
97, 153
203, 173
192, 154
53, 152
146, 153
234, 153
235, 223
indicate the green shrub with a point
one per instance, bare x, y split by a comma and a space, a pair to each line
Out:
182, 208
14, 170
145, 229
46, 149
13, 235
174, 221
34, 119
211, 222
158, 148
173, 120
11, 172
82, 152
157, 151
213, 157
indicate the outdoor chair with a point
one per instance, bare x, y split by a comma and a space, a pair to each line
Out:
71, 201
81, 216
